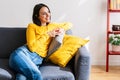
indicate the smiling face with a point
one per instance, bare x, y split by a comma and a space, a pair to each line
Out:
44, 16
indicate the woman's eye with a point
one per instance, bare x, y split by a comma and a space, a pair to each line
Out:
43, 13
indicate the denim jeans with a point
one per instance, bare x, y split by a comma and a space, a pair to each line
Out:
26, 64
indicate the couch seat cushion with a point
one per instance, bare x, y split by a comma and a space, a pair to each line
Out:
5, 72
54, 72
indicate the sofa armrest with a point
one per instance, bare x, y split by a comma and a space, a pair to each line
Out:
82, 64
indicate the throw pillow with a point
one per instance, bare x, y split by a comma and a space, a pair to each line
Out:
67, 50
56, 43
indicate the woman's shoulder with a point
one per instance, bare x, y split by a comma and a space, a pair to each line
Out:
53, 23
31, 24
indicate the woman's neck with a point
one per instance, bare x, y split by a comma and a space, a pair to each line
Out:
43, 24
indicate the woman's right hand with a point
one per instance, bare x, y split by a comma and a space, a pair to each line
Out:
52, 33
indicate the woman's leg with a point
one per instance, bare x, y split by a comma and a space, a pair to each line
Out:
22, 63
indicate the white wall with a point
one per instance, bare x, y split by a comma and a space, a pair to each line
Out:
87, 16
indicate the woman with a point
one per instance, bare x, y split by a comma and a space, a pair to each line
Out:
26, 59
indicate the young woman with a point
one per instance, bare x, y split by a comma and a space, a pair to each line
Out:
26, 59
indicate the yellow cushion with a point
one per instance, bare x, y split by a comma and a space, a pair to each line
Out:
67, 50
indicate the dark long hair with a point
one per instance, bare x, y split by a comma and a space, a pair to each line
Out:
36, 13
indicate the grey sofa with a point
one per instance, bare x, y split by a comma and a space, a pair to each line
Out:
11, 38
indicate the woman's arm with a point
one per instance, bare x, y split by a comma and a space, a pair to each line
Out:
31, 38
65, 25
59, 28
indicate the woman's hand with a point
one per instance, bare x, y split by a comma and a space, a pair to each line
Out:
57, 31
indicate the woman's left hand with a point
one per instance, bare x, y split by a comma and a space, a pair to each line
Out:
57, 31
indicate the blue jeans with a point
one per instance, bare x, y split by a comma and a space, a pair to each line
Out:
26, 63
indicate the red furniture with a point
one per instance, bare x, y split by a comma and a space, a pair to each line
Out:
108, 51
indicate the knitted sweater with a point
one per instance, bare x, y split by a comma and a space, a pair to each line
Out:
38, 39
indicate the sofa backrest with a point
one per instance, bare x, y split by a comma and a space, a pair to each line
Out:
10, 39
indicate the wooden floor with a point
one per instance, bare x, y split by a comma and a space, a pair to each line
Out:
99, 73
